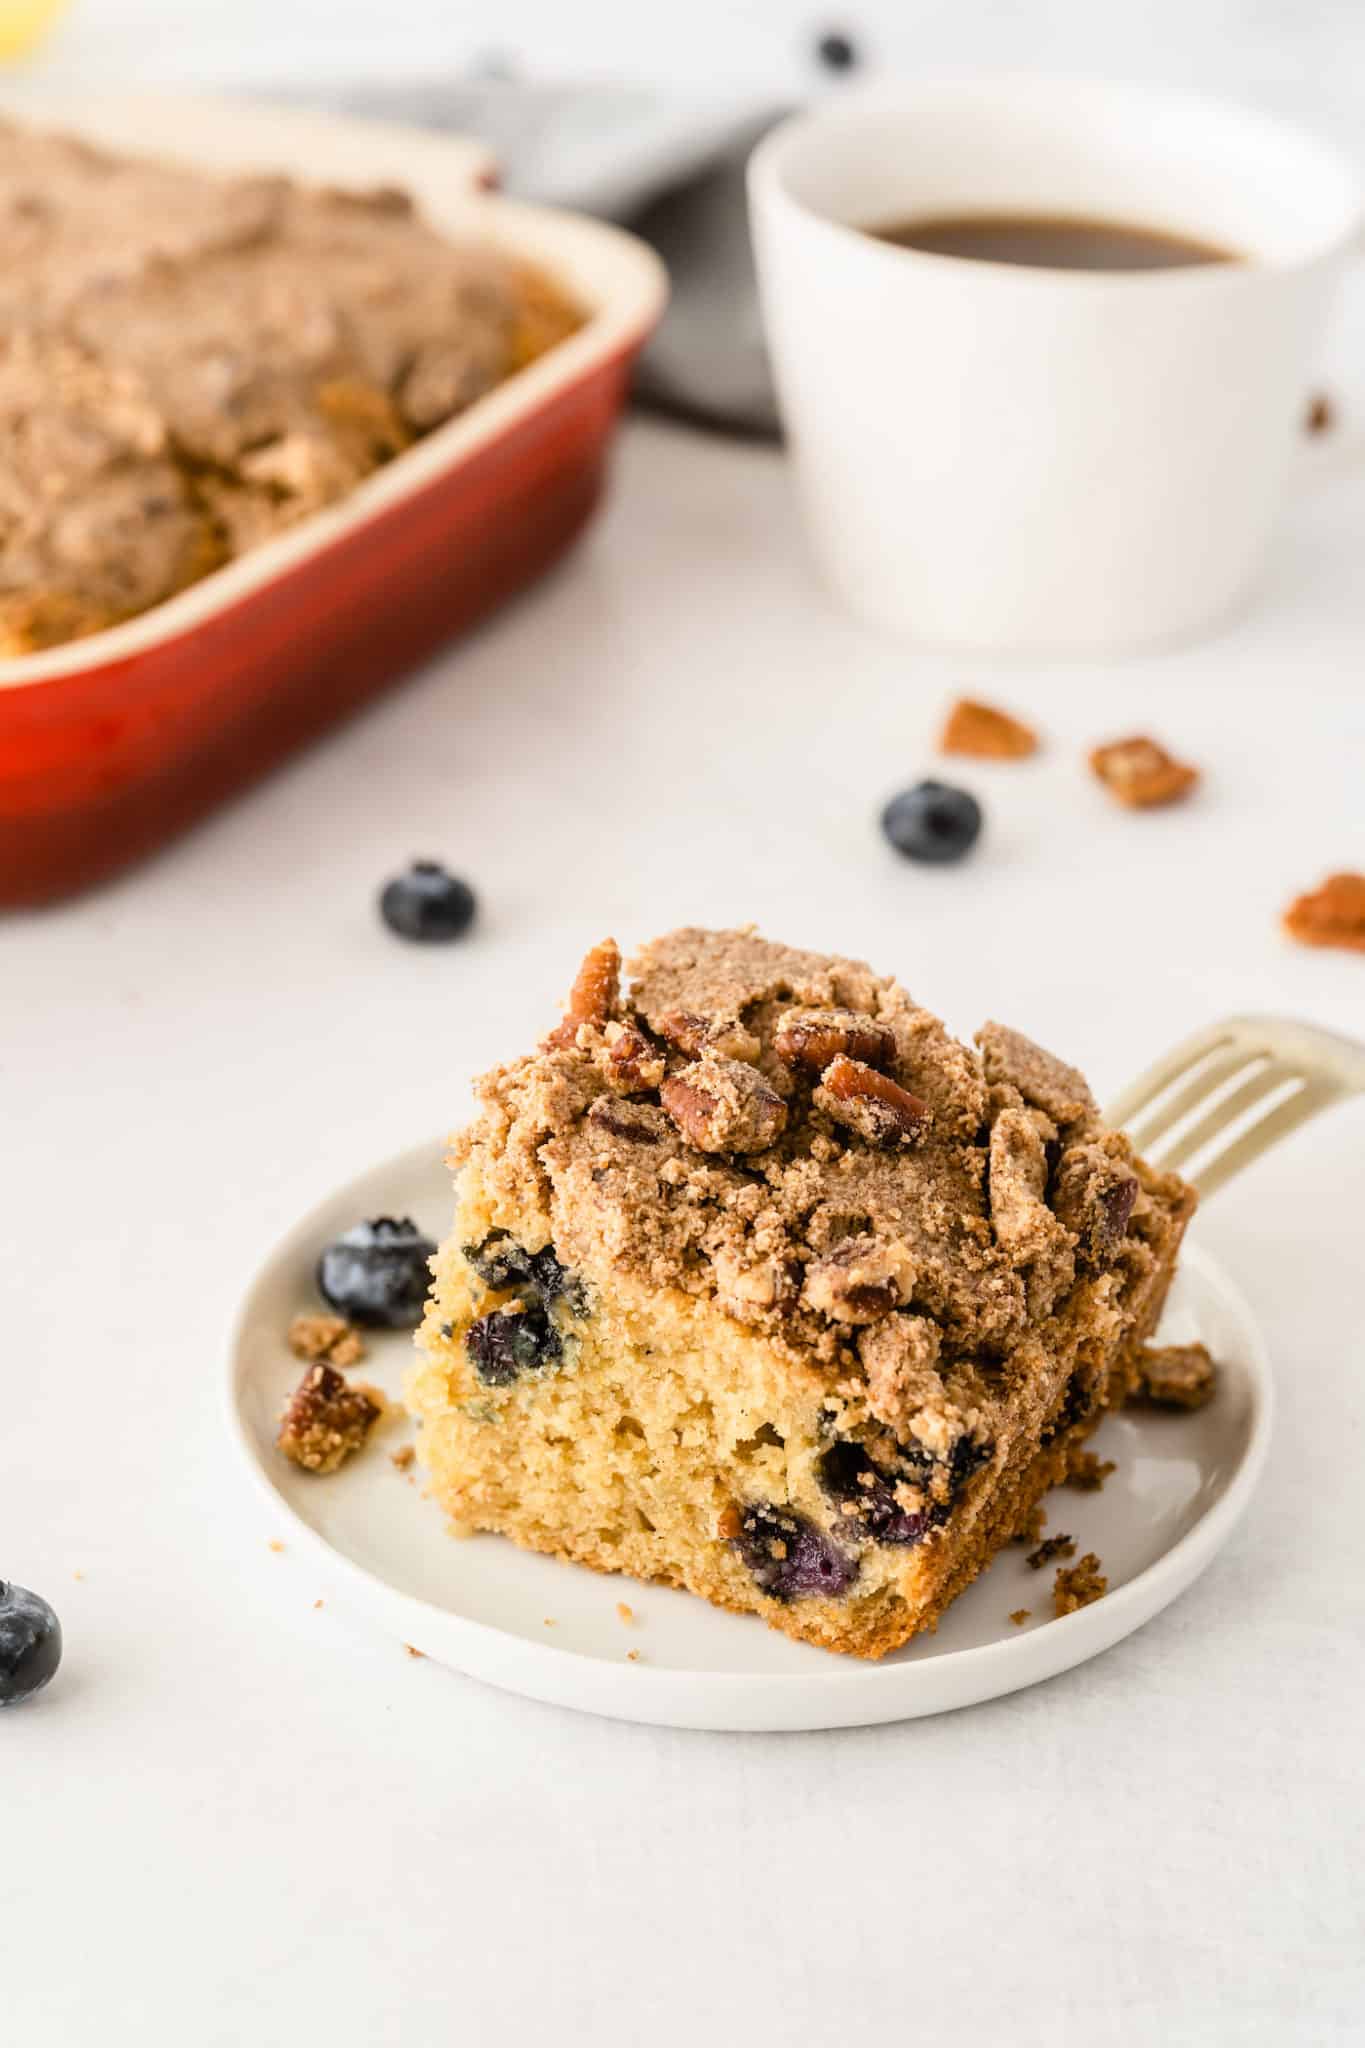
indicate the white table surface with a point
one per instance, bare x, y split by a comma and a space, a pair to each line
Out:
238, 1820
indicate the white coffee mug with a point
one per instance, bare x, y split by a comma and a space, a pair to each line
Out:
1007, 458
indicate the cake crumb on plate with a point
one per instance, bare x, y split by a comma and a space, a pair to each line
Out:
1086, 1471
1054, 1546
1079, 1584
1020, 1615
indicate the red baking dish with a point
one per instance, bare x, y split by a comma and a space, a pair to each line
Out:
110, 745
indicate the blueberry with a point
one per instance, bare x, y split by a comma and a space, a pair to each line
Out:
789, 1557
849, 1476
836, 51
501, 1262
427, 903
510, 1341
376, 1273
30, 1644
933, 822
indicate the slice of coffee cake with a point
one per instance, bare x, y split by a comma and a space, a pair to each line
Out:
763, 1285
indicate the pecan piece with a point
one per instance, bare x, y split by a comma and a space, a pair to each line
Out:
812, 1038
1093, 1195
326, 1420
1333, 915
1140, 773
632, 1066
639, 1123
871, 1104
751, 1292
724, 1106
862, 1279
985, 733
695, 1035
594, 995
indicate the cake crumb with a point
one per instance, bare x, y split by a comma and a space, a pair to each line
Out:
275, 1544
1078, 1585
550, 1622
1020, 1615
1320, 415
1032, 1527
1087, 1471
1060, 1545
317, 1604
626, 1612
632, 1656
986, 733
1175, 1376
1332, 915
327, 1337
78, 1575
402, 1457
413, 1652
1140, 772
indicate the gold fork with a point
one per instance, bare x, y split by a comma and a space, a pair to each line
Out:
1223, 1097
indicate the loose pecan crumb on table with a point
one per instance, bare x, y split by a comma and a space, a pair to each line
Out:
1140, 772
1331, 915
984, 732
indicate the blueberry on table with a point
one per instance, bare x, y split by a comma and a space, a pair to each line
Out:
376, 1274
30, 1644
932, 822
427, 903
837, 51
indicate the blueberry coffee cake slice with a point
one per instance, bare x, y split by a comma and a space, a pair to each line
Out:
763, 1285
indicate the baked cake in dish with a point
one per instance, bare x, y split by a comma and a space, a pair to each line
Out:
190, 364
763, 1285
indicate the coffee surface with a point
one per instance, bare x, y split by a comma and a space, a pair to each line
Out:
1051, 242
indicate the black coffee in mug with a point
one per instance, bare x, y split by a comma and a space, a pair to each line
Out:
1043, 241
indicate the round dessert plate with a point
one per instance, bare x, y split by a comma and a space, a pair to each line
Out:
554, 1631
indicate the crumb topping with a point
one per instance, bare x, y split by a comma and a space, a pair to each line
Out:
793, 1135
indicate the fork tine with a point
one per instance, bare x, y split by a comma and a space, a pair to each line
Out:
1164, 1071
1148, 1126
1263, 1082
1316, 1095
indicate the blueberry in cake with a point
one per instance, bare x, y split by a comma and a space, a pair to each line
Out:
764, 1286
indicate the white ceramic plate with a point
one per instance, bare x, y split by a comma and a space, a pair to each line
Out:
552, 1630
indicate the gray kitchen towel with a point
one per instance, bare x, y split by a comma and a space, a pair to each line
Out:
670, 170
